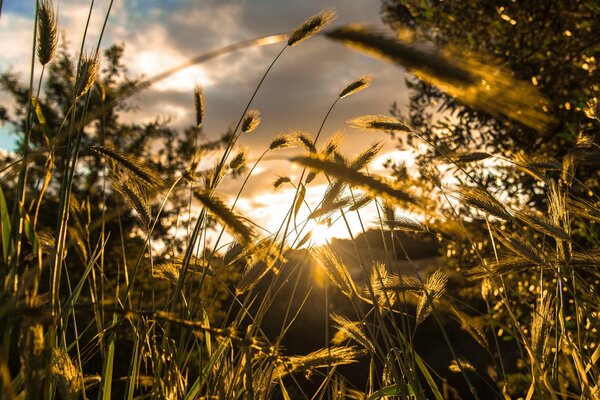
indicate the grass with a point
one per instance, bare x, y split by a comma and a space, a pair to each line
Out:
195, 324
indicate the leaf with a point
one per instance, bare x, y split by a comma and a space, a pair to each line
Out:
5, 222
42, 120
299, 201
392, 391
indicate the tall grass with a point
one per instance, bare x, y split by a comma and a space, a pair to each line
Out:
194, 325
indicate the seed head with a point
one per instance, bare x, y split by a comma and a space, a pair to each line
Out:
311, 26
356, 86
378, 122
239, 161
592, 109
47, 35
281, 142
86, 73
199, 105
251, 121
280, 181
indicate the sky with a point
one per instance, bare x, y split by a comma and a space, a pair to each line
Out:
159, 34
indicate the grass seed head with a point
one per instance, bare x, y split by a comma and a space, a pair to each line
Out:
47, 32
378, 122
356, 86
87, 72
251, 121
311, 26
281, 142
199, 105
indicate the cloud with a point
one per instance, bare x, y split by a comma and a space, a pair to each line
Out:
160, 34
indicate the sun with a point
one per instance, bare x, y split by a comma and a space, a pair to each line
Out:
321, 234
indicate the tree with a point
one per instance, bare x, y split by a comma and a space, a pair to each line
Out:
553, 46
550, 44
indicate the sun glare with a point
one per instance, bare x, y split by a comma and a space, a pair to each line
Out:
321, 234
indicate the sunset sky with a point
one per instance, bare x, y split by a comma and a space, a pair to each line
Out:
159, 34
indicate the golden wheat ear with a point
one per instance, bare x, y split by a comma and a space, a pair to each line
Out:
87, 72
134, 167
199, 105
251, 121
456, 72
322, 358
311, 27
379, 123
482, 200
356, 86
348, 329
232, 222
134, 196
433, 289
281, 142
372, 185
47, 32
335, 269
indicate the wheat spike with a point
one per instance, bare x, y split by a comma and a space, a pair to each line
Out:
472, 325
460, 364
135, 167
230, 221
522, 246
361, 202
239, 161
356, 86
171, 269
281, 142
280, 181
484, 201
304, 140
592, 109
350, 330
47, 31
372, 185
541, 325
542, 224
311, 26
87, 72
250, 121
134, 196
335, 269
379, 123
584, 209
260, 259
199, 105
322, 358
330, 207
468, 157
433, 289
364, 158
455, 72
